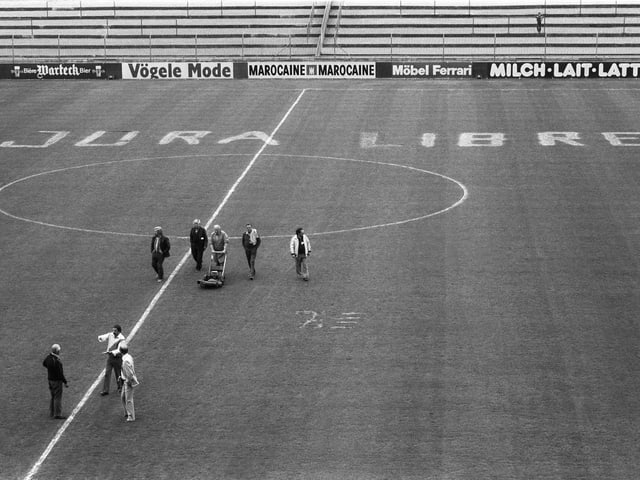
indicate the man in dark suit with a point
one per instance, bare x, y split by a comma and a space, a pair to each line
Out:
160, 247
199, 240
55, 375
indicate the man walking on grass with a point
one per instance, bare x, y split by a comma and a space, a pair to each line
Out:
160, 247
198, 239
300, 248
219, 242
251, 242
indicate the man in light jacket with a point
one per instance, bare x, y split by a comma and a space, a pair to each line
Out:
300, 248
129, 382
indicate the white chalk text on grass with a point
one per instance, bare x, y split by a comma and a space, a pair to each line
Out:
47, 138
343, 321
368, 140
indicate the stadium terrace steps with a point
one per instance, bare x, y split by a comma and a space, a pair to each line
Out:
293, 30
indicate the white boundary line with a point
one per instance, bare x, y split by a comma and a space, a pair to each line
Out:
154, 301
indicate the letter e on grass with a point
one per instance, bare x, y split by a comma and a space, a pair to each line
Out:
619, 139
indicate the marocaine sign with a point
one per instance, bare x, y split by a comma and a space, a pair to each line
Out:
564, 70
355, 70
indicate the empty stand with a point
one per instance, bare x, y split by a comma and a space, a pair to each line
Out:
118, 30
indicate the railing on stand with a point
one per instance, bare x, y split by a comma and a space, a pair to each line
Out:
335, 35
287, 46
323, 28
336, 47
312, 15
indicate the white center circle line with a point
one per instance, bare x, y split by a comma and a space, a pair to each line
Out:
462, 187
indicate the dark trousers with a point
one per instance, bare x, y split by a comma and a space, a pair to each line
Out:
55, 405
301, 266
156, 262
251, 260
113, 364
196, 253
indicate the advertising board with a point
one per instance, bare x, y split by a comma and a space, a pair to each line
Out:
424, 70
355, 70
61, 71
177, 70
584, 69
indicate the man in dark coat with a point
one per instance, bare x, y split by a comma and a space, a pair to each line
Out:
199, 240
55, 375
160, 247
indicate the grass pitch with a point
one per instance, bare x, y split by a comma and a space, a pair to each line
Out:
494, 340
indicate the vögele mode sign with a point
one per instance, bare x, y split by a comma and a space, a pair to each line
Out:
177, 71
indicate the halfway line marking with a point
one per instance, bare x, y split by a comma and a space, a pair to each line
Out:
156, 298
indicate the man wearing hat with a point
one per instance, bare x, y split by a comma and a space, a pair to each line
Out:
198, 238
160, 247
114, 357
55, 375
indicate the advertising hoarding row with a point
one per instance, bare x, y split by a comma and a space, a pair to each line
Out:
319, 70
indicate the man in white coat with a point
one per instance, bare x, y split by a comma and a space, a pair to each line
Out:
129, 382
300, 248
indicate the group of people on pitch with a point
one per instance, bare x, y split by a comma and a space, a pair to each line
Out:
299, 247
119, 361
